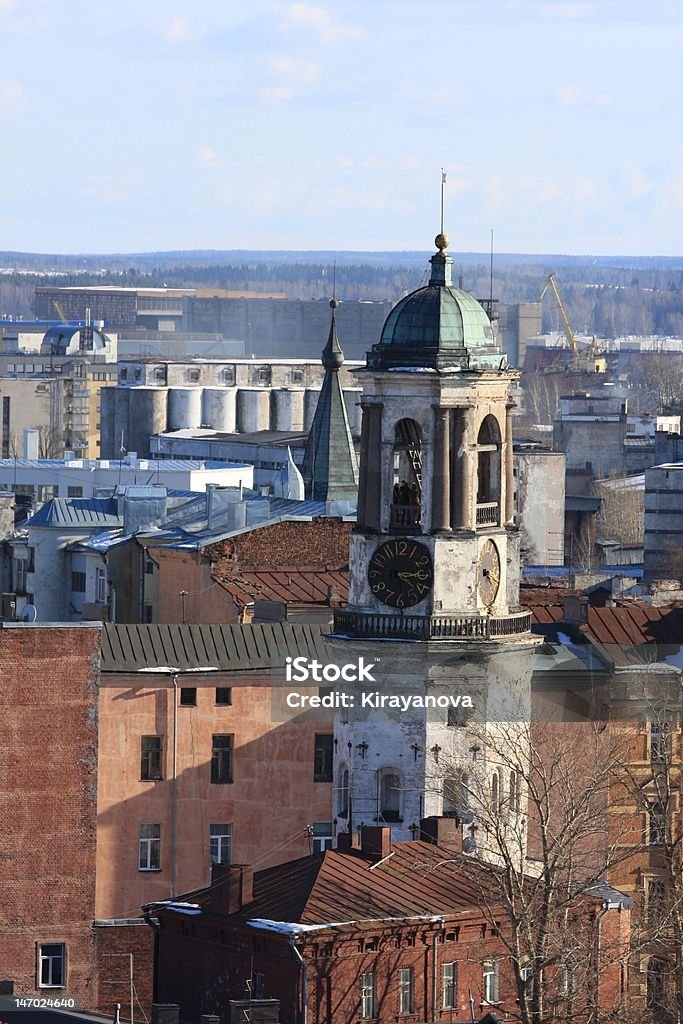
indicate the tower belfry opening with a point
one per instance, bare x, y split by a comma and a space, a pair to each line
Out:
407, 478
488, 472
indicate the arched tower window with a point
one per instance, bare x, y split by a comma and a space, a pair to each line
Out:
343, 796
488, 472
406, 498
389, 795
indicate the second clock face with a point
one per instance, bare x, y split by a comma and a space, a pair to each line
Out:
489, 572
401, 573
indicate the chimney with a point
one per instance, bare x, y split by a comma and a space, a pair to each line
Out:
347, 841
441, 832
232, 887
375, 841
575, 609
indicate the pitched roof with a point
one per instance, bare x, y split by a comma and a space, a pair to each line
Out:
95, 513
631, 624
294, 586
329, 467
225, 648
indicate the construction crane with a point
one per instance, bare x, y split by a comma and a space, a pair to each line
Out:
60, 311
569, 334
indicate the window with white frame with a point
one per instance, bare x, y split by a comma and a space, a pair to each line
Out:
367, 995
52, 965
491, 974
220, 844
322, 838
20, 575
100, 585
149, 856
449, 985
405, 990
526, 974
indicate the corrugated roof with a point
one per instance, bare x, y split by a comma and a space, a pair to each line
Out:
227, 648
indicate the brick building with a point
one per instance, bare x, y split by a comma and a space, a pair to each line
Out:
49, 737
378, 932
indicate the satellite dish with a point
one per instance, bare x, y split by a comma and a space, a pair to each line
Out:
29, 613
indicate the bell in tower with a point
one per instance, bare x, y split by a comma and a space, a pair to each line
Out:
434, 564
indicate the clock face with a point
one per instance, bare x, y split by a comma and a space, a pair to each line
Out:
488, 573
401, 573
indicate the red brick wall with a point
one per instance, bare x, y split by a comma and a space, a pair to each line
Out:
48, 801
320, 542
114, 944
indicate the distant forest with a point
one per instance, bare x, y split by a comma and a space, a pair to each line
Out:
606, 296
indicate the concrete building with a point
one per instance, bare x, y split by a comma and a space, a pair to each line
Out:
663, 547
42, 479
518, 323
227, 397
57, 395
539, 499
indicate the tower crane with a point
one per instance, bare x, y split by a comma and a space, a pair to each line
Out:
569, 334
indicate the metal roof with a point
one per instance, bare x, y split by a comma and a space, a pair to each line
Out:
77, 512
226, 648
294, 586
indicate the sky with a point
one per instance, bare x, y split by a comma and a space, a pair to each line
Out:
159, 124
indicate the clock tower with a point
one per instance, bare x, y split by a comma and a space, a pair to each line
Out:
434, 567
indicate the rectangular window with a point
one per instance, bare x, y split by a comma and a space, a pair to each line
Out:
100, 585
449, 985
323, 839
52, 965
149, 858
20, 575
149, 613
322, 768
491, 981
78, 582
221, 759
188, 696
223, 695
660, 742
150, 758
367, 995
74, 492
149, 566
405, 990
220, 844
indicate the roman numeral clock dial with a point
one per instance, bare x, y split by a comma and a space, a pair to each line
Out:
401, 573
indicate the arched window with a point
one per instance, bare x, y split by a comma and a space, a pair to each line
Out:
406, 497
495, 792
343, 801
390, 795
455, 795
488, 472
515, 792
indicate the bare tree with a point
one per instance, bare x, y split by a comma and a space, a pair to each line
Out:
539, 800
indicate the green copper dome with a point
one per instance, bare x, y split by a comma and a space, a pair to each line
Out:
437, 327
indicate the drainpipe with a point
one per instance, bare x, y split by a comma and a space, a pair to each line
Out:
304, 980
605, 908
174, 784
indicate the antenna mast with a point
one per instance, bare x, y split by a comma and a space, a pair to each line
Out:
443, 182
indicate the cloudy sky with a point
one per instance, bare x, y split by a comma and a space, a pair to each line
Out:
162, 124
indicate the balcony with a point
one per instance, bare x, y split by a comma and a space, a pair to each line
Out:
487, 513
405, 518
383, 625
